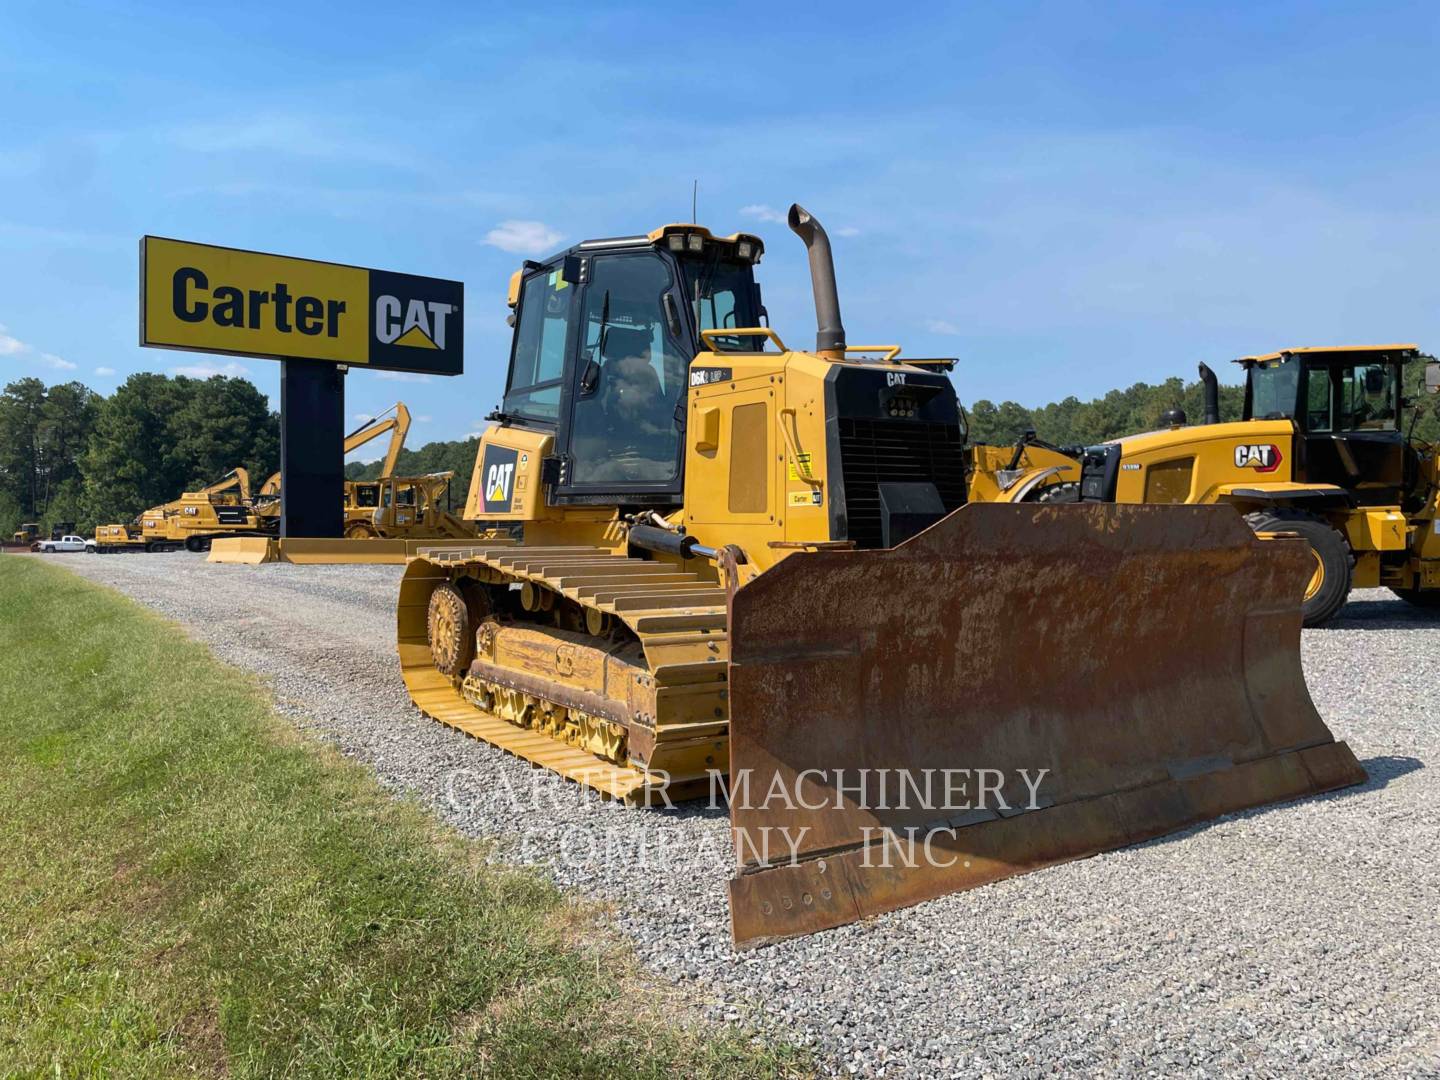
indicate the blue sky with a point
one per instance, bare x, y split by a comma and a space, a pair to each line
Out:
1068, 197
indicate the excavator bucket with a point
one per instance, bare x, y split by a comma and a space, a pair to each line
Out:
1017, 686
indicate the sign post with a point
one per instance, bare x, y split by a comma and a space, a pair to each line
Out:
312, 455
317, 318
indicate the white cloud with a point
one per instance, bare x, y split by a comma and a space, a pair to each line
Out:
104, 371
13, 346
761, 212
524, 237
403, 376
846, 230
361, 418
423, 419
206, 369
940, 326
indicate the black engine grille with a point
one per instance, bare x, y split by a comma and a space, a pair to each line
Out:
873, 452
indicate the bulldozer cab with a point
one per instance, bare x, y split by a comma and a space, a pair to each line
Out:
604, 336
1346, 404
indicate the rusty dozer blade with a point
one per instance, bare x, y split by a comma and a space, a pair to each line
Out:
891, 709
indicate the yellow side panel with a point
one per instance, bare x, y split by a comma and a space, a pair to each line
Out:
1376, 530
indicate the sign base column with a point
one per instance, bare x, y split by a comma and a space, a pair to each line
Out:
312, 456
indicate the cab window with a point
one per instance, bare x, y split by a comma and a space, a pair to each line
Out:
1274, 387
1369, 398
1317, 400
630, 376
722, 295
538, 359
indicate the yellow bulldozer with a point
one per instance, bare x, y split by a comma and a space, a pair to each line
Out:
740, 564
1321, 451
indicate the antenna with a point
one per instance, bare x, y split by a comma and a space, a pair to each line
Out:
694, 201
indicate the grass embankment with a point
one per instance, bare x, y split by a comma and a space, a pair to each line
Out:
189, 887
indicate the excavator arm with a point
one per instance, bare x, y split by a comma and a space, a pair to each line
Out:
398, 424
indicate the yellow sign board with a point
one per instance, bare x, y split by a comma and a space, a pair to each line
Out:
204, 298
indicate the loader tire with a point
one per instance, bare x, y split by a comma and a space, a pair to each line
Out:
1420, 598
1329, 584
360, 532
1067, 492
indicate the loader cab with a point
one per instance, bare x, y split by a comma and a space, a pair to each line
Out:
1346, 404
604, 336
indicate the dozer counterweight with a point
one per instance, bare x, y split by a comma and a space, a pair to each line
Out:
730, 560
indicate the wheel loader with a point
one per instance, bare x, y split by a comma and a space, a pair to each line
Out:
740, 564
1321, 452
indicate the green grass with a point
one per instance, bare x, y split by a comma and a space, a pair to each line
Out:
190, 887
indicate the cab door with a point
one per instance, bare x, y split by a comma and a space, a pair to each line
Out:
1352, 435
624, 401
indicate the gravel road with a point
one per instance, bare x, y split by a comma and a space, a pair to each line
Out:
1299, 940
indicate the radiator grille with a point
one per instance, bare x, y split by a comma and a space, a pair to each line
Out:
873, 452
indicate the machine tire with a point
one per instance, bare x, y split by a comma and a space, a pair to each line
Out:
360, 531
1334, 564
1420, 598
1065, 492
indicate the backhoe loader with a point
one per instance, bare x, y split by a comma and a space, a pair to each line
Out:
1321, 451
735, 562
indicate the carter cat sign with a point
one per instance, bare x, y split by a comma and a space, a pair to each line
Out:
203, 298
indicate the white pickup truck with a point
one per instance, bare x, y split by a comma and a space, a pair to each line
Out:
65, 543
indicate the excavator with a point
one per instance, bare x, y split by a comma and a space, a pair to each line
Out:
192, 521
389, 506
395, 420
720, 563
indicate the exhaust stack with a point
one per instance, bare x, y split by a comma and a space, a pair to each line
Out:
830, 333
1212, 394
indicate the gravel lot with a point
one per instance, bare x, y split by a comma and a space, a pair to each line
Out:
1301, 940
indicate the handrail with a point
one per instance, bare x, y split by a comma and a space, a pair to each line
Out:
792, 441
709, 336
890, 351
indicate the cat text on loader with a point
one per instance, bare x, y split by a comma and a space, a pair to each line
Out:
744, 561
1322, 451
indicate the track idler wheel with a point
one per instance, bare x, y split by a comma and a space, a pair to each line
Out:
453, 617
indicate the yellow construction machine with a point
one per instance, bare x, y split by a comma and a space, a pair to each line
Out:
738, 563
1321, 451
110, 539
395, 420
394, 507
198, 517
27, 534
401, 508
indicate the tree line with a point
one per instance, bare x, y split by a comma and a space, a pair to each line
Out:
1073, 422
70, 454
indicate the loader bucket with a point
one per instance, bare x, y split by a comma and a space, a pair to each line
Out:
892, 710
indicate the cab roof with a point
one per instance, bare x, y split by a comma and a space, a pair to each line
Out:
1260, 359
654, 237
